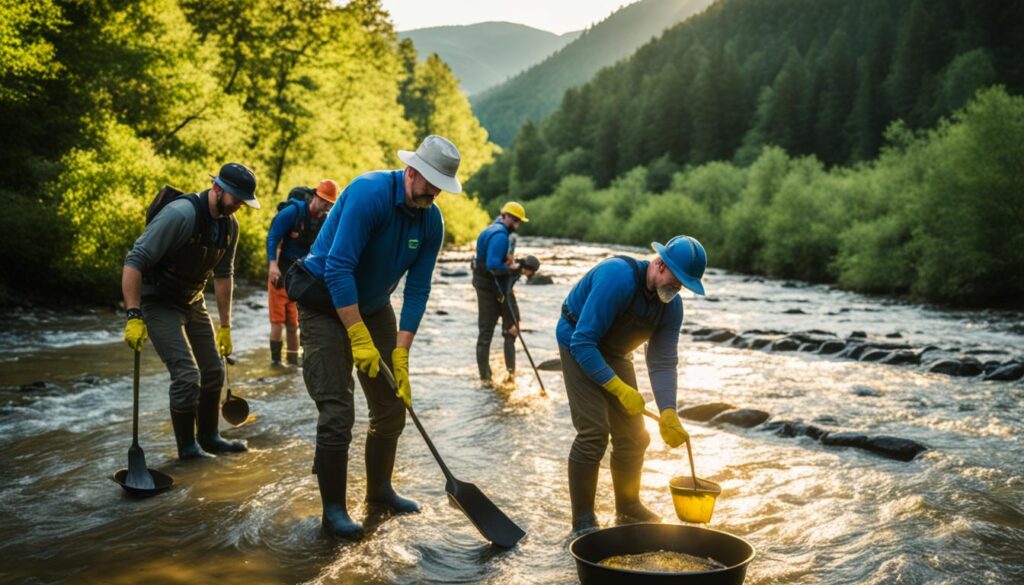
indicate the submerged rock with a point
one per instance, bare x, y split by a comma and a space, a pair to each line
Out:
866, 391
455, 272
552, 365
874, 355
831, 347
704, 412
902, 357
894, 447
716, 336
784, 344
1009, 372
845, 439
741, 417
948, 367
540, 279
794, 312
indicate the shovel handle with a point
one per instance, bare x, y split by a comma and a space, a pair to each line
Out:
135, 399
519, 333
689, 451
423, 432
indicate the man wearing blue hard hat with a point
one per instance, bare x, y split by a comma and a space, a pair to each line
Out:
616, 307
189, 237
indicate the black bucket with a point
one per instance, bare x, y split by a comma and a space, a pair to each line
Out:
590, 549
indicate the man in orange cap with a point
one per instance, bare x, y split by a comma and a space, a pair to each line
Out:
291, 234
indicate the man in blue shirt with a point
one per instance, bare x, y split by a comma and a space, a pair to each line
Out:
293, 230
494, 270
383, 227
617, 306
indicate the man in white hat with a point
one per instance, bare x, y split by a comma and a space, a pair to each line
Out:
384, 226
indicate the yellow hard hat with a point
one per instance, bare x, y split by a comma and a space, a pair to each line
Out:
515, 209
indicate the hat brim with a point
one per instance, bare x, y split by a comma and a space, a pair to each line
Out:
432, 175
251, 201
689, 282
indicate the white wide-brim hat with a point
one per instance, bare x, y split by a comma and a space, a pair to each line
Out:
437, 160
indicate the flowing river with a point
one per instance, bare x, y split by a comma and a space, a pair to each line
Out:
816, 514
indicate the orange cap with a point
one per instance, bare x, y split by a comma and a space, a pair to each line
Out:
327, 190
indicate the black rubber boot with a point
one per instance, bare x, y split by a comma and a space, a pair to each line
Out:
582, 490
483, 362
275, 352
510, 352
293, 357
628, 509
206, 424
332, 476
184, 424
380, 463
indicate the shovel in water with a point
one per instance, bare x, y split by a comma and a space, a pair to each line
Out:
492, 523
138, 479
235, 410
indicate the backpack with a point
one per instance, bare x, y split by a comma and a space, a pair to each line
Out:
165, 196
297, 194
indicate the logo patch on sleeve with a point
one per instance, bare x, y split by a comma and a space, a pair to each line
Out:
414, 244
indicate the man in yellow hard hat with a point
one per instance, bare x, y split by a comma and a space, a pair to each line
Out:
494, 272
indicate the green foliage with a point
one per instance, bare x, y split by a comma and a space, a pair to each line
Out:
127, 96
463, 218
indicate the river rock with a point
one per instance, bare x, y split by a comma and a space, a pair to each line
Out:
1009, 372
794, 312
845, 439
552, 365
866, 391
894, 447
894, 335
540, 279
855, 350
716, 336
874, 355
970, 367
704, 412
740, 342
948, 367
784, 344
831, 347
810, 346
858, 334
790, 429
701, 332
763, 332
741, 417
440, 312
760, 342
902, 357
455, 272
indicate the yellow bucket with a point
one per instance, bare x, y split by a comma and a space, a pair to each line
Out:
694, 503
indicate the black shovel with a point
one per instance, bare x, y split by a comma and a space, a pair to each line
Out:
508, 302
492, 523
235, 410
138, 479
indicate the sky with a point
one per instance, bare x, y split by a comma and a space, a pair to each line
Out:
557, 16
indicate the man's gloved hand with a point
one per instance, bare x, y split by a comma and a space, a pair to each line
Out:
364, 353
400, 359
629, 396
672, 431
135, 333
224, 341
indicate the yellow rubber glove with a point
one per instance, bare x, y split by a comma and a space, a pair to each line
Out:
672, 431
364, 353
224, 341
135, 333
629, 396
400, 359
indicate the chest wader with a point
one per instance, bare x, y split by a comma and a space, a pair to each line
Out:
631, 329
180, 277
491, 307
303, 233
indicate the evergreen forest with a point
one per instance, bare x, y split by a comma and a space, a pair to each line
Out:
872, 143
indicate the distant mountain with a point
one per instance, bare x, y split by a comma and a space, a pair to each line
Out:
536, 92
485, 54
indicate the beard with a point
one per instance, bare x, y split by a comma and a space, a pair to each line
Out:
422, 200
667, 293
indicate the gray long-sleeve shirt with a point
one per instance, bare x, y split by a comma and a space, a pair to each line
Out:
171, 229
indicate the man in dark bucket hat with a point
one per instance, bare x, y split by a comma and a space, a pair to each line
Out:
188, 238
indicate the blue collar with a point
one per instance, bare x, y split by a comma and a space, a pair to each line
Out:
398, 177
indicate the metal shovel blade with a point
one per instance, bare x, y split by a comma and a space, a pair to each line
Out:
492, 523
138, 474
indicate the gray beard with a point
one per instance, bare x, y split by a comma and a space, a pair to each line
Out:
667, 293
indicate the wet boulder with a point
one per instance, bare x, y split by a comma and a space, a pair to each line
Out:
704, 412
540, 279
854, 350
703, 331
784, 344
454, 272
760, 342
37, 386
866, 391
741, 417
716, 336
1008, 372
794, 312
903, 357
831, 347
845, 439
740, 341
809, 346
874, 355
790, 429
894, 447
971, 367
948, 367
440, 312
894, 335
552, 365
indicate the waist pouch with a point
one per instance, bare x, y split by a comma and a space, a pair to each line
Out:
308, 291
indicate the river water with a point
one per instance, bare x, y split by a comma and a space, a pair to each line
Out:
816, 514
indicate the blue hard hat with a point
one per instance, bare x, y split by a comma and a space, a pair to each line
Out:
686, 258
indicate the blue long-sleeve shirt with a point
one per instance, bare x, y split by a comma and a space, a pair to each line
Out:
491, 248
598, 298
370, 240
281, 228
